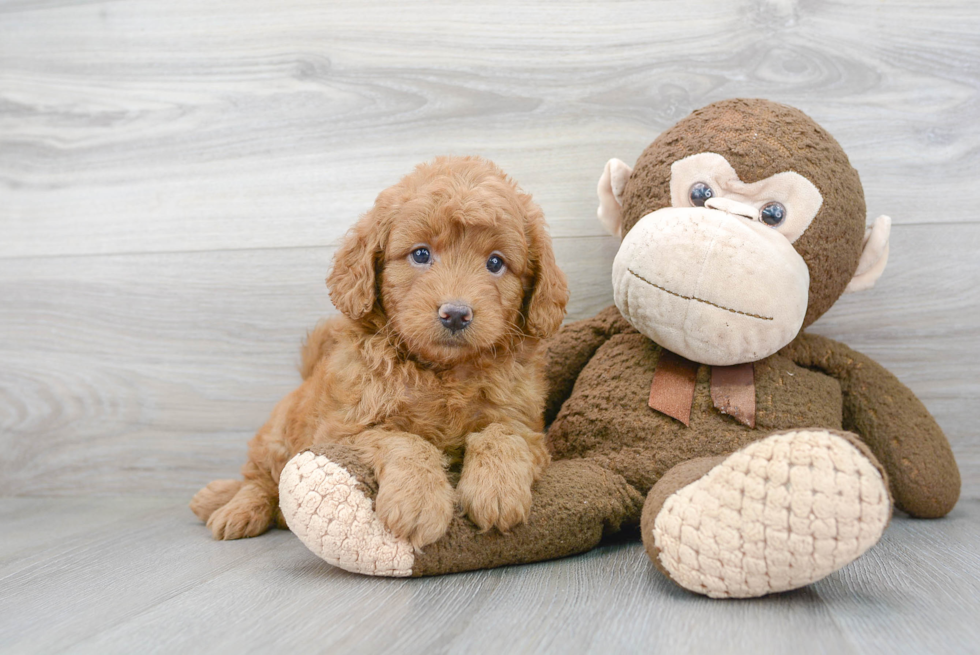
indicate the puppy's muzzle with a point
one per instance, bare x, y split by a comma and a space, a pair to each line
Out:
455, 316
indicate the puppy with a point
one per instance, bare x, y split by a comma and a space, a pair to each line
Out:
448, 286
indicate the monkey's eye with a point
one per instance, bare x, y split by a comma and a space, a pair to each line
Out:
773, 214
495, 264
700, 192
420, 256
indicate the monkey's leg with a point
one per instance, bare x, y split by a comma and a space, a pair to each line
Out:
327, 498
923, 476
777, 515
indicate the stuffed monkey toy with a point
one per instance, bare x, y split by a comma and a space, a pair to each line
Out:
756, 458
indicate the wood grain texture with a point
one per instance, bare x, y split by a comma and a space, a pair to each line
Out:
174, 178
153, 581
133, 126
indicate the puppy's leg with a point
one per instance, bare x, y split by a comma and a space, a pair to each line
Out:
214, 496
499, 467
415, 500
253, 508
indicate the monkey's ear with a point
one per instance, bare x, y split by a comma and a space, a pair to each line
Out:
873, 257
611, 187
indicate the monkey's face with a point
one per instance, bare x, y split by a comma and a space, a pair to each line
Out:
715, 277
741, 225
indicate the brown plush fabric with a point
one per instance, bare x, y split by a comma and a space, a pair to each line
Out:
813, 382
571, 349
760, 138
576, 504
606, 416
900, 431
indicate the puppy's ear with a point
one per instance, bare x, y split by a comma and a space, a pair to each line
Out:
545, 309
352, 281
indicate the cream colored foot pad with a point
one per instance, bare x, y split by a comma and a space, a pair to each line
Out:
777, 515
323, 506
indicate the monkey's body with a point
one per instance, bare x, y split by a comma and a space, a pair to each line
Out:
606, 417
602, 368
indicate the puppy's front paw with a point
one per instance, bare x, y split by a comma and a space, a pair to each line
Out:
248, 514
415, 505
495, 493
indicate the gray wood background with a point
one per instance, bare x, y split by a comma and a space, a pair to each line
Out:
175, 176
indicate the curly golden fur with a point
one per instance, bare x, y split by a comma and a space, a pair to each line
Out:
438, 358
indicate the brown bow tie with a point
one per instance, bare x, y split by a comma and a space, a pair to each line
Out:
732, 389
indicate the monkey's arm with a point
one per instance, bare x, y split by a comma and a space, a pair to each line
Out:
571, 349
900, 431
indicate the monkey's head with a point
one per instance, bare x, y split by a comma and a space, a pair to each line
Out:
741, 225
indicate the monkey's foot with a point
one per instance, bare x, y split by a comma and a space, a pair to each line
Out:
330, 507
779, 514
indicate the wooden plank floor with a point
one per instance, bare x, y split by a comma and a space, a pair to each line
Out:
174, 179
142, 576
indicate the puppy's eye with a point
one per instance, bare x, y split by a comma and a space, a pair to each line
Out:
420, 256
495, 264
700, 192
773, 214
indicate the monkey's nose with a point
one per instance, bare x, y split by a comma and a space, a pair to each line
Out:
733, 207
455, 316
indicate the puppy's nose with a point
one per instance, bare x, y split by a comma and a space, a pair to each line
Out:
455, 316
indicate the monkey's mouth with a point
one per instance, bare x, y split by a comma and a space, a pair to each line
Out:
701, 300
